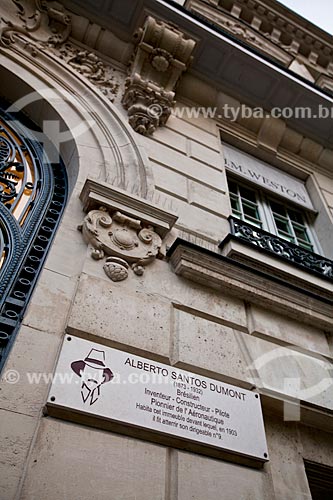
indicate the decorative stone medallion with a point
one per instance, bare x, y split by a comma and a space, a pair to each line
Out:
126, 242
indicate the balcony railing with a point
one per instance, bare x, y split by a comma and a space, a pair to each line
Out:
274, 245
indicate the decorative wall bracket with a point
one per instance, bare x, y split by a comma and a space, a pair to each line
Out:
122, 227
162, 55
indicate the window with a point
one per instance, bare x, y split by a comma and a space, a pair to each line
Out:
320, 479
244, 203
270, 214
272, 211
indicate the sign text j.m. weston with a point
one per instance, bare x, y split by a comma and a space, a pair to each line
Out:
265, 176
119, 387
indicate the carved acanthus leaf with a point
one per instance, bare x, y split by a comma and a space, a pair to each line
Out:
162, 54
45, 26
88, 64
42, 21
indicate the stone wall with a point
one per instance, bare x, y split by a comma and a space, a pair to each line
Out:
193, 324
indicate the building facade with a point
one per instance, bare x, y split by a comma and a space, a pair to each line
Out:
166, 189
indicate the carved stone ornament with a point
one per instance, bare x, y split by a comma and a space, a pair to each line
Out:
46, 25
41, 20
89, 65
162, 54
124, 240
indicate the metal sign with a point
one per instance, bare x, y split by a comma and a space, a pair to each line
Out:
116, 387
267, 177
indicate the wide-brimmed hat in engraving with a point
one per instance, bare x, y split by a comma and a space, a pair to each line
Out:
96, 360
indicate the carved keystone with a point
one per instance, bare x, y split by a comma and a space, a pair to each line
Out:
162, 55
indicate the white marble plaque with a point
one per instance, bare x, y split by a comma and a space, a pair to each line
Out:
95, 380
266, 177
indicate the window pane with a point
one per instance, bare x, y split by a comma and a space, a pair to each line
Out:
250, 210
278, 208
302, 237
290, 225
255, 222
232, 187
320, 478
286, 236
244, 203
301, 233
248, 194
282, 224
308, 246
234, 202
296, 216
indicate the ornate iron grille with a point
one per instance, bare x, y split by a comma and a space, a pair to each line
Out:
281, 248
33, 194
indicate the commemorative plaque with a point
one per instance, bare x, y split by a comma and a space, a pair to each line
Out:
116, 390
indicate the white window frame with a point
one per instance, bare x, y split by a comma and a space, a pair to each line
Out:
267, 217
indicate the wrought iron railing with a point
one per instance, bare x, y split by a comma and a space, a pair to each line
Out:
281, 248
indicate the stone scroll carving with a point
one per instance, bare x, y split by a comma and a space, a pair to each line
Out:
162, 54
40, 20
45, 25
123, 240
92, 67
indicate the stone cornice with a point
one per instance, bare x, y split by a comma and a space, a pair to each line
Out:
96, 193
268, 138
274, 10
275, 23
214, 270
308, 414
289, 148
275, 136
241, 30
285, 140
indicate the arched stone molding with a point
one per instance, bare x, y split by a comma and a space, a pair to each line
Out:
99, 142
